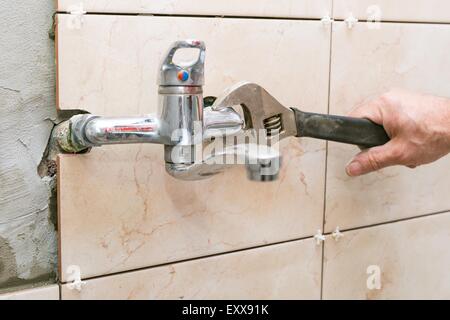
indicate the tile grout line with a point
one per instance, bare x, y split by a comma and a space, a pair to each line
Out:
326, 159
193, 16
135, 14
323, 221
272, 244
425, 215
399, 21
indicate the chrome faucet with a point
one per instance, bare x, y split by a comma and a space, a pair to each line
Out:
184, 125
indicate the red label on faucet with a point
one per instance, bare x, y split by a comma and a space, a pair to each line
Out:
125, 129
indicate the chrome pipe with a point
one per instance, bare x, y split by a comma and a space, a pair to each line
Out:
107, 130
86, 131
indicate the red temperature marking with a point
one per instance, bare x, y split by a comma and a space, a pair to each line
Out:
124, 129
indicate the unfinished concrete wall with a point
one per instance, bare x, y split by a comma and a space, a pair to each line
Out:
27, 112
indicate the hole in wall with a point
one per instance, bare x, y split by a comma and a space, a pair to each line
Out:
47, 168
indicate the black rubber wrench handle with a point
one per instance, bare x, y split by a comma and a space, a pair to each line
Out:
361, 132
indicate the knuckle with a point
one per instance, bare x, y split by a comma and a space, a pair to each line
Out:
374, 161
389, 97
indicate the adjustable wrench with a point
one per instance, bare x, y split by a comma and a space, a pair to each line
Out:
262, 111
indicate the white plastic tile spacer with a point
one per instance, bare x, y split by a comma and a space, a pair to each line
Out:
327, 20
319, 237
76, 19
337, 234
74, 277
351, 21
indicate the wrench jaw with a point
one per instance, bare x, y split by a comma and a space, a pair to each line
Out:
261, 110
264, 117
263, 126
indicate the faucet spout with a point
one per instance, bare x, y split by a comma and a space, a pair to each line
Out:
262, 163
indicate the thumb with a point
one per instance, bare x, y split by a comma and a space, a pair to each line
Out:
374, 159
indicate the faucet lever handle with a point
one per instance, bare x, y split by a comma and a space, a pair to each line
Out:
192, 74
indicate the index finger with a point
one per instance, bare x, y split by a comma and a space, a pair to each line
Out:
370, 110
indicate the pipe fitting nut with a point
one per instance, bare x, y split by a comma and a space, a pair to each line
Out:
69, 134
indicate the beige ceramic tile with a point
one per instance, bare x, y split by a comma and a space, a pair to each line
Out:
263, 8
118, 208
42, 293
285, 271
394, 10
365, 63
412, 257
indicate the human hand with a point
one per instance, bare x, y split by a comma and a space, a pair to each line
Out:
418, 125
